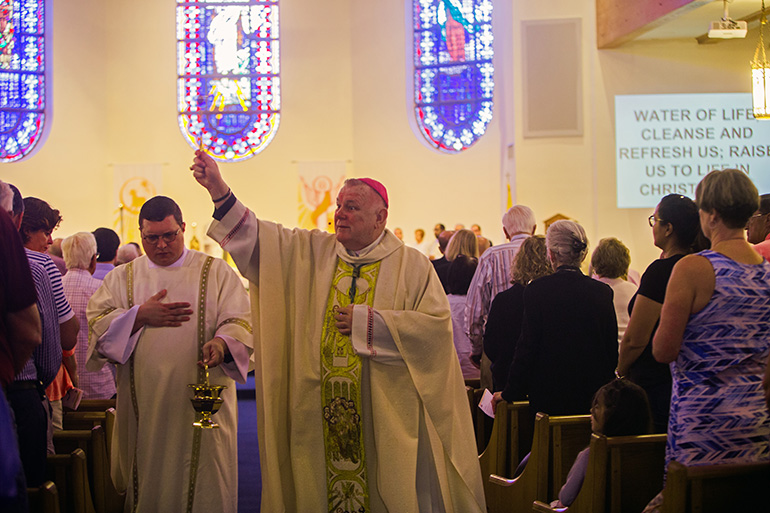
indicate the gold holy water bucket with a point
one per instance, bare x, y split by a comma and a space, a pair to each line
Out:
206, 401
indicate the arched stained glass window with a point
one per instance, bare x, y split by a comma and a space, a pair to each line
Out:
453, 71
229, 86
24, 73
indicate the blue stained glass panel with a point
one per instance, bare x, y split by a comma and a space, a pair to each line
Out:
453, 71
24, 86
228, 88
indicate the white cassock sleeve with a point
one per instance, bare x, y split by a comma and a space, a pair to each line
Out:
117, 343
381, 347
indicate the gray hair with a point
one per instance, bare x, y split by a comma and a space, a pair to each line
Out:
567, 242
78, 250
126, 253
6, 197
519, 218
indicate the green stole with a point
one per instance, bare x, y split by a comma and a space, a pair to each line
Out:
346, 479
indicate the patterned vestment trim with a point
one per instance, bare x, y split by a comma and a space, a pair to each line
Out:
238, 321
134, 402
235, 229
196, 446
341, 372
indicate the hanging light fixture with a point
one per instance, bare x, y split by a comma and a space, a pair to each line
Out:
760, 74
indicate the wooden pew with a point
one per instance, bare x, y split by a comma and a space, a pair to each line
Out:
624, 473
715, 488
94, 405
94, 444
70, 474
510, 441
556, 443
43, 499
83, 419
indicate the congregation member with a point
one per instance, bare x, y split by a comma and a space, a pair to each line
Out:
507, 311
462, 243
160, 319
476, 229
493, 275
609, 264
20, 334
425, 246
399, 233
126, 253
441, 265
715, 332
484, 244
758, 227
37, 225
54, 251
26, 393
20, 328
107, 244
675, 227
568, 346
79, 252
438, 228
360, 396
459, 277
620, 408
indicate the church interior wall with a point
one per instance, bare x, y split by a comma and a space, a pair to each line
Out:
345, 98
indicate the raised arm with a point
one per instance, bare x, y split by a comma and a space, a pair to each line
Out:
206, 172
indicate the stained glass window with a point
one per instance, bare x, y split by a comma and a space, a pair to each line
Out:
23, 77
453, 71
229, 82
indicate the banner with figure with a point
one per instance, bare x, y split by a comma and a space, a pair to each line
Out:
319, 183
133, 184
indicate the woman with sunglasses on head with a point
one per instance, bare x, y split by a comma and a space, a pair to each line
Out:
674, 230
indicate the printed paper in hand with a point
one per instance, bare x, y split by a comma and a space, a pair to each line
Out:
486, 403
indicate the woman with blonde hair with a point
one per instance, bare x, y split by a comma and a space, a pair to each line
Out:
463, 242
503, 327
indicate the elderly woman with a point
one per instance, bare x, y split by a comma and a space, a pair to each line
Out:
715, 328
506, 314
79, 252
674, 229
609, 264
463, 242
568, 346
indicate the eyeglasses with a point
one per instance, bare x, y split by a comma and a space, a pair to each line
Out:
755, 216
652, 219
167, 237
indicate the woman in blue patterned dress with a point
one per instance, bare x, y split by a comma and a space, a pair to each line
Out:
715, 329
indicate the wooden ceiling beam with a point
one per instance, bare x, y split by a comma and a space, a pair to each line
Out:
618, 21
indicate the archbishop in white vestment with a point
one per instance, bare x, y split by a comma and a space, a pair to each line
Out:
417, 452
159, 459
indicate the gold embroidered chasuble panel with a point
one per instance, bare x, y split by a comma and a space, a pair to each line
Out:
341, 367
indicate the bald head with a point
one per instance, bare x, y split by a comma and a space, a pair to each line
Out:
443, 239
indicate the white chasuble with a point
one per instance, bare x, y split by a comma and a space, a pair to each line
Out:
419, 445
158, 457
